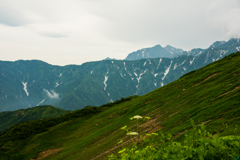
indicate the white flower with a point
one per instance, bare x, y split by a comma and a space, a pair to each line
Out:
132, 133
137, 117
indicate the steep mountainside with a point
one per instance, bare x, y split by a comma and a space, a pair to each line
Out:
30, 83
155, 52
209, 95
10, 118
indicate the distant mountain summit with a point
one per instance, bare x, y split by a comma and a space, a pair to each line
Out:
155, 52
108, 58
219, 47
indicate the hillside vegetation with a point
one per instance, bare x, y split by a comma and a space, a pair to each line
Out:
209, 95
10, 118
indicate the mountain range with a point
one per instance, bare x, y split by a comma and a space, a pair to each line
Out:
177, 113
32, 83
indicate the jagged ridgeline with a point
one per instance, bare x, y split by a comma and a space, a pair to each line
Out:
208, 95
31, 83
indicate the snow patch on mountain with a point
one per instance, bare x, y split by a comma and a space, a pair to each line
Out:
140, 76
199, 53
51, 94
41, 102
238, 48
105, 80
60, 74
135, 74
191, 61
142, 53
160, 60
207, 57
121, 75
183, 62
155, 74
149, 61
56, 84
167, 71
175, 66
25, 88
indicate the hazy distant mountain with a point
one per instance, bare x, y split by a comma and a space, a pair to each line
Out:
155, 52
108, 58
26, 84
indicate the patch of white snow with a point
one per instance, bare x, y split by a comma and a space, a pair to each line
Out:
175, 66
121, 74
160, 60
199, 53
149, 61
155, 75
191, 61
183, 62
105, 80
25, 88
207, 57
135, 74
56, 84
52, 94
167, 71
41, 102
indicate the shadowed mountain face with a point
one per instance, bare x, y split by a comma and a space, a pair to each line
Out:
209, 95
26, 84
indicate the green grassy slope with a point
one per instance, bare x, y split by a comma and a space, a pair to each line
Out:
210, 95
10, 118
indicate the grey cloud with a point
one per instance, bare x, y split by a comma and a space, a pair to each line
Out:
224, 14
11, 16
153, 22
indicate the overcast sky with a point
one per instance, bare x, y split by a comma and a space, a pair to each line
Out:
62, 32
